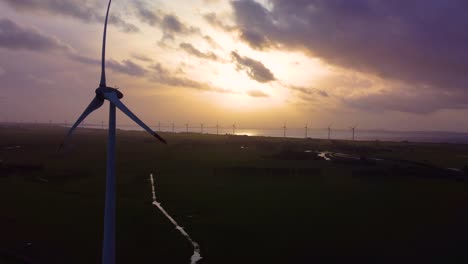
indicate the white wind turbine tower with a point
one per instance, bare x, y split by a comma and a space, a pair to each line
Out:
306, 130
113, 96
329, 131
284, 129
234, 128
353, 128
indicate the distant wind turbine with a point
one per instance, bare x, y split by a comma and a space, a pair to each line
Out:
159, 126
306, 130
234, 128
186, 128
217, 128
353, 128
329, 131
201, 127
113, 96
284, 130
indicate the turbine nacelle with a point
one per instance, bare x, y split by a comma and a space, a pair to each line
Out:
103, 90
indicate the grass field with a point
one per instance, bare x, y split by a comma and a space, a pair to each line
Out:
243, 199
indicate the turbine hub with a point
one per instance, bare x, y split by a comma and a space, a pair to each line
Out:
101, 90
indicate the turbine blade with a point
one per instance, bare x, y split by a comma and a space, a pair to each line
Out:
112, 97
95, 104
103, 62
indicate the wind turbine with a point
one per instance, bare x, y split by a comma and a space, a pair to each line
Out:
284, 129
159, 126
217, 128
201, 128
186, 128
103, 92
329, 130
234, 128
306, 130
353, 128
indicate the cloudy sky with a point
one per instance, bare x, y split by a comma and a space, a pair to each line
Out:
383, 64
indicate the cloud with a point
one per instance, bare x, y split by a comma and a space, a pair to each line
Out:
257, 93
171, 25
15, 37
120, 22
86, 10
190, 49
211, 41
141, 57
255, 69
215, 22
126, 66
255, 39
420, 102
211, 1
418, 42
146, 15
163, 76
308, 91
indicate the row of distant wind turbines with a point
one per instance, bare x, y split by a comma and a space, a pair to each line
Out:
202, 127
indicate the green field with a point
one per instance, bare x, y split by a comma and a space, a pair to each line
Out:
243, 199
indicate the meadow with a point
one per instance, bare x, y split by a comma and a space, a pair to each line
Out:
243, 199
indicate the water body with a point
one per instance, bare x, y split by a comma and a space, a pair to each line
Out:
196, 248
343, 134
325, 155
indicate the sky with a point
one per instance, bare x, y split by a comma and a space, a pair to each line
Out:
396, 65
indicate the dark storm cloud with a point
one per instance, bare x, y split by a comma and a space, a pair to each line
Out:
190, 49
85, 10
15, 37
257, 94
419, 41
255, 69
164, 76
